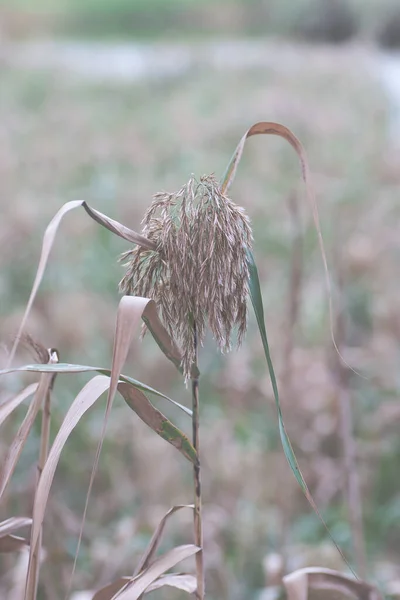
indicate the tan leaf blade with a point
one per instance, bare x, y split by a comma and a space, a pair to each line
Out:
162, 337
299, 582
118, 228
11, 404
83, 401
19, 440
71, 368
142, 406
129, 314
156, 538
137, 586
12, 543
47, 244
13, 524
48, 240
9, 542
181, 581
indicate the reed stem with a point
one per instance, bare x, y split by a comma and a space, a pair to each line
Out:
198, 527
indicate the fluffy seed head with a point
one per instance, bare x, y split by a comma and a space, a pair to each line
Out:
199, 271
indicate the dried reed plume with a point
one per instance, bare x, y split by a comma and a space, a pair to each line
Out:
199, 271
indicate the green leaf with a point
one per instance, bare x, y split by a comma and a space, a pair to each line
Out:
142, 406
71, 368
256, 299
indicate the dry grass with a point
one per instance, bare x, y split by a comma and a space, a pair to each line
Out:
251, 503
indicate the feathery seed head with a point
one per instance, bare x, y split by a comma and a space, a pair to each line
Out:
199, 271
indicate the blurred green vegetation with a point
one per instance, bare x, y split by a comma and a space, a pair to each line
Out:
330, 20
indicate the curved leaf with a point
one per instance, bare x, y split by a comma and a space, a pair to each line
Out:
180, 581
83, 401
119, 229
269, 128
156, 537
47, 244
298, 583
9, 405
142, 406
137, 586
13, 524
256, 299
16, 447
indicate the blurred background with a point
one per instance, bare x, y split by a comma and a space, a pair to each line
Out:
114, 101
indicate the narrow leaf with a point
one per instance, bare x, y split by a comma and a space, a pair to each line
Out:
129, 314
13, 524
83, 401
11, 404
298, 584
119, 229
142, 406
162, 337
256, 299
48, 240
71, 368
9, 542
136, 587
156, 538
47, 244
180, 581
19, 440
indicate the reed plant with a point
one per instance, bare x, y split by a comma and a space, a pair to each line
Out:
191, 269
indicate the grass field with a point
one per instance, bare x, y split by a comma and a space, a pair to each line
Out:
117, 144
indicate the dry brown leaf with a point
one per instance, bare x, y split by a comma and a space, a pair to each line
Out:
47, 244
11, 404
18, 442
181, 581
9, 542
299, 582
71, 368
119, 229
144, 409
109, 591
156, 538
83, 401
139, 584
129, 314
12, 543
48, 240
130, 311
161, 335
13, 524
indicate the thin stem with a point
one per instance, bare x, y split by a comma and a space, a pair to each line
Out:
33, 574
198, 528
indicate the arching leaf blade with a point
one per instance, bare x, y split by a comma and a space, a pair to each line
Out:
256, 299
72, 368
